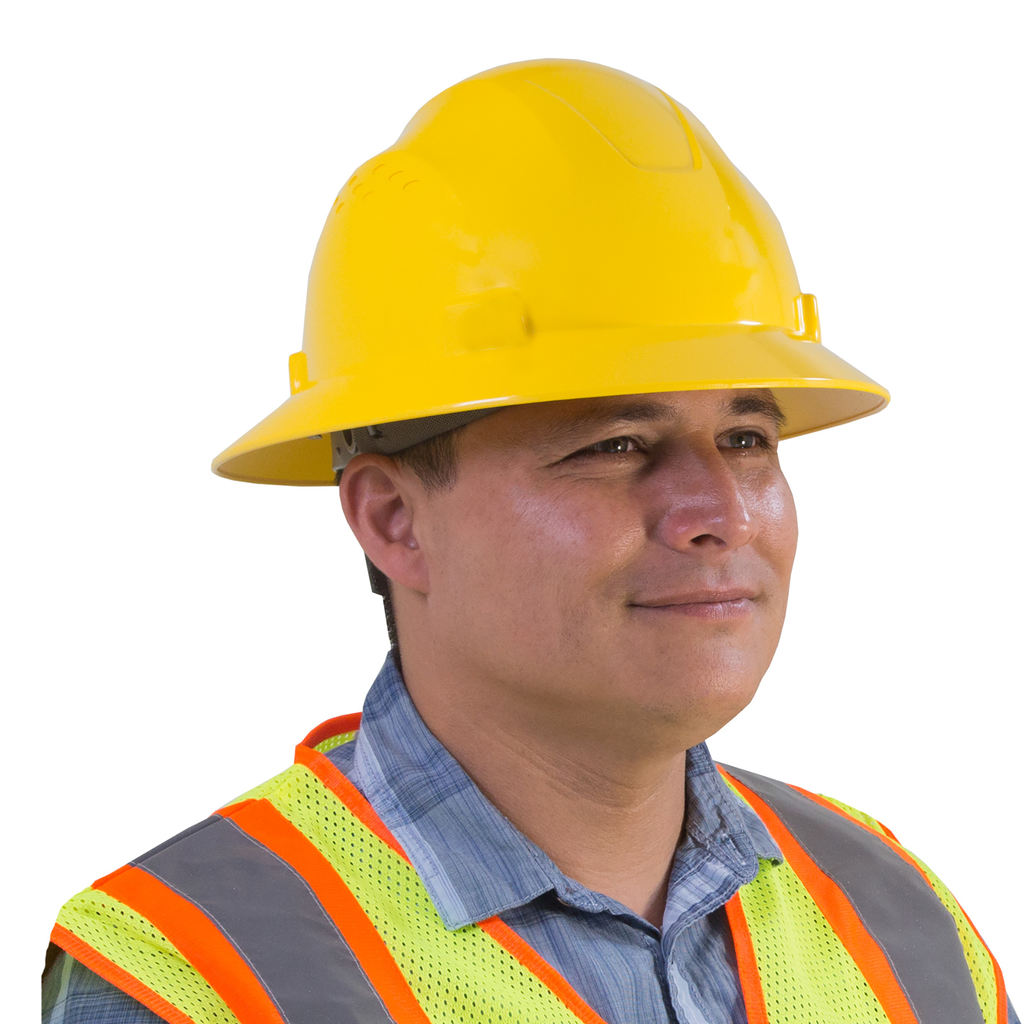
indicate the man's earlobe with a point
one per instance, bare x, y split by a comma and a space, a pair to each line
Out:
379, 506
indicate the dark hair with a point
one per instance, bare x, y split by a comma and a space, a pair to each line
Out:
436, 463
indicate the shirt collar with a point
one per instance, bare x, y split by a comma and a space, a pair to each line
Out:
473, 862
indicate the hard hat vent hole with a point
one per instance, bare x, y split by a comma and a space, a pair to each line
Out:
350, 444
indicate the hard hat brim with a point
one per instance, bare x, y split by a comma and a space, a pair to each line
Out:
814, 387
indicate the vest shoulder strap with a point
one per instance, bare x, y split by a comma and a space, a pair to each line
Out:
851, 910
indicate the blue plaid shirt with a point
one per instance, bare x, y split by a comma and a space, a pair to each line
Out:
476, 864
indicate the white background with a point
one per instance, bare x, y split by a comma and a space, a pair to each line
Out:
171, 635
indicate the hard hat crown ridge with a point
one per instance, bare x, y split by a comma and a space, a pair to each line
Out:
545, 230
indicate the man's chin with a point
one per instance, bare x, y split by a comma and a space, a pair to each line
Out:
676, 696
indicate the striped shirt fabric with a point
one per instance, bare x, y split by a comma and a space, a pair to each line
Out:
475, 864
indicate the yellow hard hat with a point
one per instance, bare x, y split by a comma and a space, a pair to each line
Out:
545, 230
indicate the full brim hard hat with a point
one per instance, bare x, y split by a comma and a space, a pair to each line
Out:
545, 231
814, 388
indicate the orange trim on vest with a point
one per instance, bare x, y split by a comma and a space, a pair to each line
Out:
840, 914
323, 768
893, 843
746, 962
109, 971
261, 820
515, 944
888, 831
198, 939
333, 727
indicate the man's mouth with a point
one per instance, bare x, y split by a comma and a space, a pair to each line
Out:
708, 603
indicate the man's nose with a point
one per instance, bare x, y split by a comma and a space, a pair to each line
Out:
703, 505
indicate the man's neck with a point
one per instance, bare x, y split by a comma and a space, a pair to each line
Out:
609, 815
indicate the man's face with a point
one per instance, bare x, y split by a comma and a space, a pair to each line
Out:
619, 559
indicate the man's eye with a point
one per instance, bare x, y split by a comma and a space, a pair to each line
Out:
614, 446
745, 439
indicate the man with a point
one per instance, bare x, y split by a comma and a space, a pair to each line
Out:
553, 339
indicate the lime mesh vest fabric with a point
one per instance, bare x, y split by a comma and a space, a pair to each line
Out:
295, 904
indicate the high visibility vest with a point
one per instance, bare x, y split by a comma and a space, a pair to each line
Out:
296, 905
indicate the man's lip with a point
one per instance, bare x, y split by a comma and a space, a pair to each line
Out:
698, 597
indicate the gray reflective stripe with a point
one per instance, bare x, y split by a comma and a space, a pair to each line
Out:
271, 916
897, 906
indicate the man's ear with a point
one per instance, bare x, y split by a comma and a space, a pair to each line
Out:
378, 499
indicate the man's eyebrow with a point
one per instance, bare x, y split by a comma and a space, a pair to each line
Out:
760, 403
641, 411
